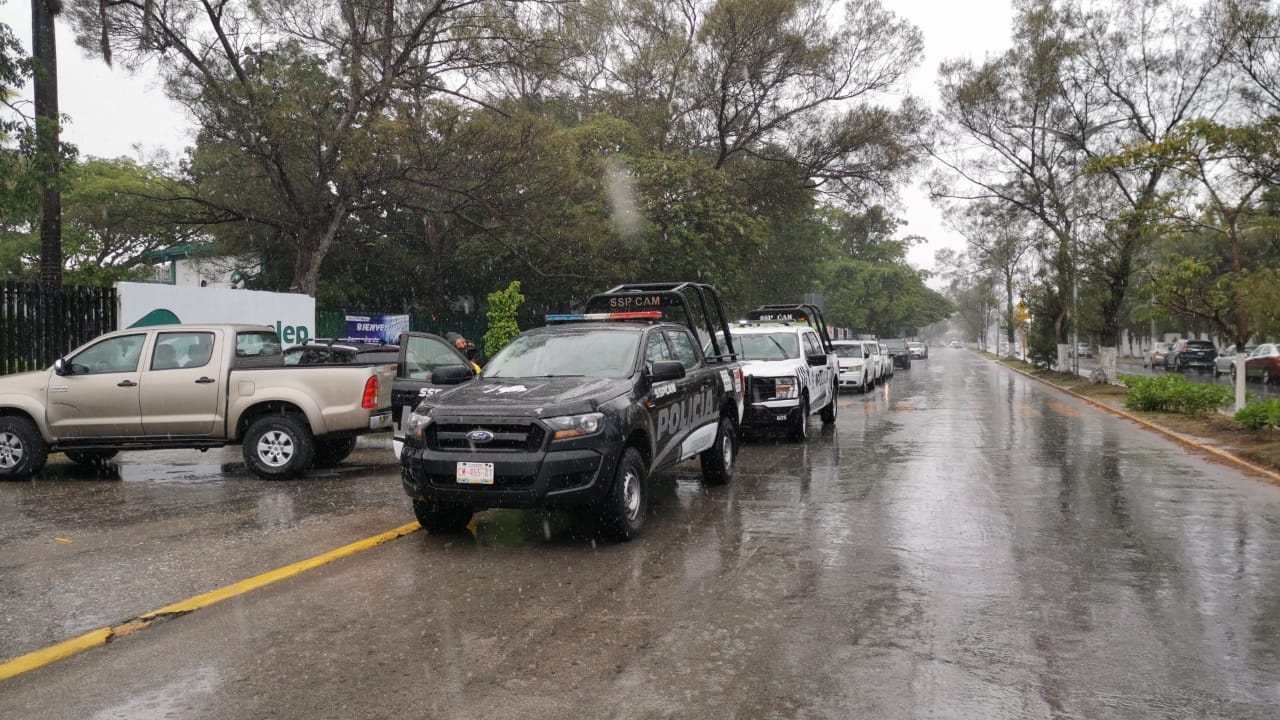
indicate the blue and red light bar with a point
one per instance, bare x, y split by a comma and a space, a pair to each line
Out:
643, 315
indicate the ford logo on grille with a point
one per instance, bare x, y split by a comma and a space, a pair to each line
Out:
479, 436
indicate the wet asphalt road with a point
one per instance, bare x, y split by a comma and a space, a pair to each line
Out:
966, 543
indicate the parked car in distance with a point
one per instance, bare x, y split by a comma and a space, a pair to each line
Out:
1226, 360
859, 368
1191, 354
955, 343
886, 360
341, 353
899, 352
1155, 356
1263, 363
1082, 350
918, 349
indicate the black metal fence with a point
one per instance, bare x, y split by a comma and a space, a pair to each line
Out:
38, 326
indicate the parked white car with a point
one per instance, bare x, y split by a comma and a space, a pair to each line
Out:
886, 361
1226, 360
859, 367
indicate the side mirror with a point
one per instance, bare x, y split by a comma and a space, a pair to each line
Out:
451, 374
664, 370
816, 360
60, 367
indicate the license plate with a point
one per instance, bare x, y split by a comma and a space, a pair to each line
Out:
380, 421
473, 473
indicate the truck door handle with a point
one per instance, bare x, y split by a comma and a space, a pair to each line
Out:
205, 381
126, 383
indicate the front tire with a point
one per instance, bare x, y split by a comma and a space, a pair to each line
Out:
278, 447
22, 451
799, 430
440, 518
332, 451
828, 413
718, 460
622, 511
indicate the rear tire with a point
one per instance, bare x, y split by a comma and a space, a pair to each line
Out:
332, 451
440, 518
22, 451
278, 447
718, 460
622, 511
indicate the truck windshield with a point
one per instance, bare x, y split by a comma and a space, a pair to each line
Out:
771, 346
598, 353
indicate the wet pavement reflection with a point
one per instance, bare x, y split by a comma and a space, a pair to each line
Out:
964, 543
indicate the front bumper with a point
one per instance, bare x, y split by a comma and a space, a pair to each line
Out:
853, 378
771, 413
570, 477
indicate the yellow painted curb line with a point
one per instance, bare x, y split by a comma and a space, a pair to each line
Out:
102, 636
1175, 436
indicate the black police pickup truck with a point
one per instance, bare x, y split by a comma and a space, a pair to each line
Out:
579, 414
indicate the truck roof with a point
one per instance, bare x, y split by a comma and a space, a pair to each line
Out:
804, 313
234, 327
696, 306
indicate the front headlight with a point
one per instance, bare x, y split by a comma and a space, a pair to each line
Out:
418, 421
785, 388
572, 426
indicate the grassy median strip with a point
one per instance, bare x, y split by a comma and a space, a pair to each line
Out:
1256, 451
102, 636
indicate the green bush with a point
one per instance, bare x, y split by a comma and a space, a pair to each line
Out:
504, 305
1261, 414
1175, 394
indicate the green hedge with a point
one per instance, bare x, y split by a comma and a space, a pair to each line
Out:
1175, 394
1261, 414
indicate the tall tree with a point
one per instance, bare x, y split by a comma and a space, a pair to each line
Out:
48, 147
300, 98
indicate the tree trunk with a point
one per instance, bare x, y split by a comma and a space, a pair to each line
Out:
44, 50
1107, 363
306, 266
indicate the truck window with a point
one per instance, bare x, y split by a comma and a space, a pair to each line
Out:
598, 353
811, 346
770, 346
683, 345
423, 355
257, 344
656, 349
113, 355
181, 349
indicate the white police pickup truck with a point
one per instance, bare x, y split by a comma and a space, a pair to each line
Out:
791, 368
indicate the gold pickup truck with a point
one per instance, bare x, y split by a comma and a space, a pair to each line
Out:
190, 386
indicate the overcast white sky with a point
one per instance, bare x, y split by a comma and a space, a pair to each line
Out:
112, 112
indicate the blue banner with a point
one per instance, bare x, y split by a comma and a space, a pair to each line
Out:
376, 328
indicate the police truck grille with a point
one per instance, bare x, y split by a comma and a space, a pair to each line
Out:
762, 389
511, 436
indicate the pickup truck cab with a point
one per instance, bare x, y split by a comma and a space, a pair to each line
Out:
792, 368
580, 413
190, 386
